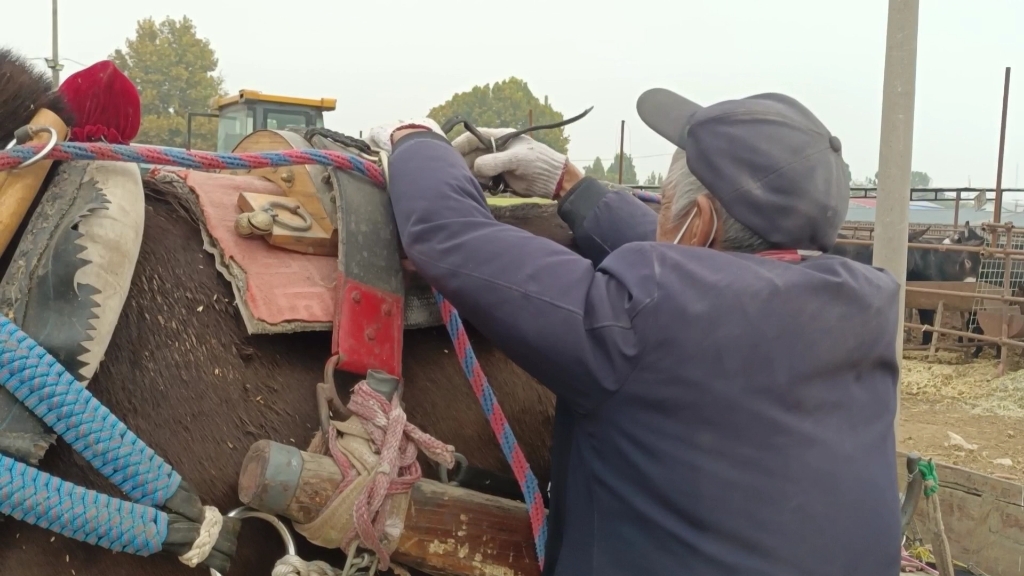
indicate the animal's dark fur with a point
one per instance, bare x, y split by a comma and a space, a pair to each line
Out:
184, 375
23, 91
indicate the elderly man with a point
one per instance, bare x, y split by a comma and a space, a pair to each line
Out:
725, 402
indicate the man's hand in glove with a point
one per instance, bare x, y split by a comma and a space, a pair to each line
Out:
531, 168
380, 137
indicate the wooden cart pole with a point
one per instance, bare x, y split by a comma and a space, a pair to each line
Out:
19, 187
448, 530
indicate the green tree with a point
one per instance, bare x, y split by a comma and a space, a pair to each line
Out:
628, 171
176, 72
654, 179
920, 179
595, 170
504, 104
917, 180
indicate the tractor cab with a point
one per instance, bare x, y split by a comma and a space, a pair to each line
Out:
239, 115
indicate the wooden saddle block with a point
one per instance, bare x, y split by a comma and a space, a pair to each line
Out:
307, 185
19, 187
289, 235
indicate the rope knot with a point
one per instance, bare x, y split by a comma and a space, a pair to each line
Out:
209, 531
295, 566
373, 494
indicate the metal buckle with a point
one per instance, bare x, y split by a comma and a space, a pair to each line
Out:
458, 471
32, 131
286, 535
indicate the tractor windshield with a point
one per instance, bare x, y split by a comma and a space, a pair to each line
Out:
233, 125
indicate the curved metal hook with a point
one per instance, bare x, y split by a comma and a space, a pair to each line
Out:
32, 131
286, 534
295, 209
497, 184
503, 141
497, 144
459, 471
327, 399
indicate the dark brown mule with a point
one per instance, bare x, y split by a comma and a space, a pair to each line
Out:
183, 374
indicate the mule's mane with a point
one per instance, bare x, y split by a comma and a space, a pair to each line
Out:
23, 91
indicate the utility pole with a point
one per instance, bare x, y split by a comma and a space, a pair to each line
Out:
622, 142
54, 63
895, 152
997, 211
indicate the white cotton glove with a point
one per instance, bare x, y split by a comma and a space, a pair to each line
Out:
531, 168
380, 136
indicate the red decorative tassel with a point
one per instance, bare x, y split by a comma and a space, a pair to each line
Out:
105, 105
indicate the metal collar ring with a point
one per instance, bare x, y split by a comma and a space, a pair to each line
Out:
286, 535
33, 130
296, 209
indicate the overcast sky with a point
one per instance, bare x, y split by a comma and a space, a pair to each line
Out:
397, 59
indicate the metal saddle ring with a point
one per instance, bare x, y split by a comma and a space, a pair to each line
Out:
296, 209
25, 134
286, 534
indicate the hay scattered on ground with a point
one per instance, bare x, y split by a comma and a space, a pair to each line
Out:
951, 378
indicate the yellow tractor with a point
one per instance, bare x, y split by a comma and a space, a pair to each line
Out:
239, 115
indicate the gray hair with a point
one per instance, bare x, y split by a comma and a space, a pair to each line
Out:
681, 188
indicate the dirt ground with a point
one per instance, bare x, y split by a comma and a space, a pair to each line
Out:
951, 396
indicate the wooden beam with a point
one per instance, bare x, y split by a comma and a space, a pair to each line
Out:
19, 187
448, 530
983, 516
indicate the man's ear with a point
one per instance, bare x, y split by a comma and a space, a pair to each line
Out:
703, 225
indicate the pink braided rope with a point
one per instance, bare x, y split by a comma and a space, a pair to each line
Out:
398, 443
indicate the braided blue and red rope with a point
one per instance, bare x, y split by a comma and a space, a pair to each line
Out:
499, 424
199, 160
194, 159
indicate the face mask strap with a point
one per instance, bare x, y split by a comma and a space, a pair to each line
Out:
714, 227
685, 226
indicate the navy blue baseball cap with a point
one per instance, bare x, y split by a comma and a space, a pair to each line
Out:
767, 159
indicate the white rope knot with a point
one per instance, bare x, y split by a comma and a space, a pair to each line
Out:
208, 533
295, 566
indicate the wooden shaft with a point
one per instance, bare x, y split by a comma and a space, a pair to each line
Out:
935, 337
448, 530
18, 188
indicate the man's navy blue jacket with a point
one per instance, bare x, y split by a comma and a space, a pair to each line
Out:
718, 413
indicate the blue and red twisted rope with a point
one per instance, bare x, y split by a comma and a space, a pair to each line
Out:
499, 424
199, 160
194, 159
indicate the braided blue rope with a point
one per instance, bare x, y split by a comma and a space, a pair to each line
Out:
45, 387
51, 503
